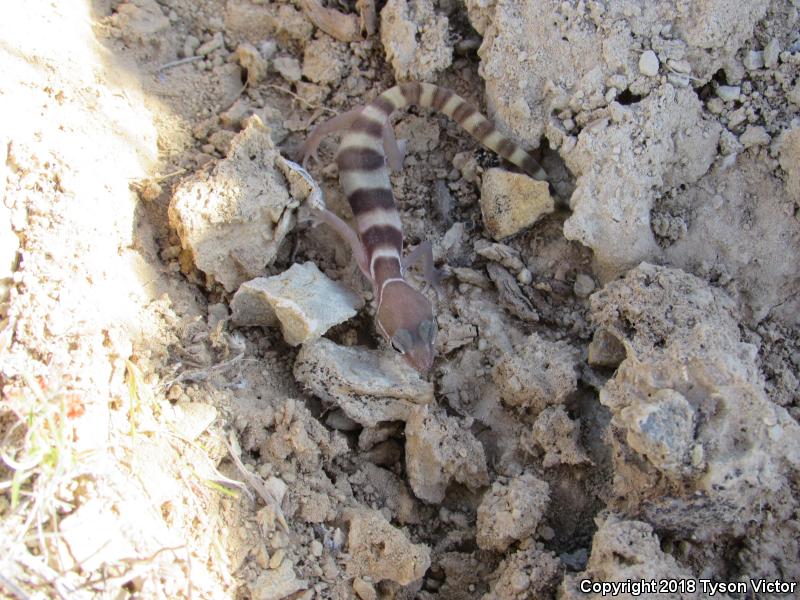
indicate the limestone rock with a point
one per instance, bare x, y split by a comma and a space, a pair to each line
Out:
536, 374
558, 436
511, 511
380, 551
369, 386
697, 445
527, 573
439, 450
234, 219
415, 39
302, 299
512, 202
623, 550
277, 583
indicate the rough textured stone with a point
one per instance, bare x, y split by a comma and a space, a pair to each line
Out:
439, 449
510, 511
302, 299
369, 386
415, 39
512, 202
380, 551
234, 220
537, 374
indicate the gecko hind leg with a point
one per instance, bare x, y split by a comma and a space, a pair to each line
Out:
332, 125
432, 276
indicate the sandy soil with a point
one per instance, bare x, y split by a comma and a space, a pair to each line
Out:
617, 391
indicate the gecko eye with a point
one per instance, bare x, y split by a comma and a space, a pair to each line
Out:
401, 341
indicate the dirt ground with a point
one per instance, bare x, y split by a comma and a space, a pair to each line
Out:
195, 402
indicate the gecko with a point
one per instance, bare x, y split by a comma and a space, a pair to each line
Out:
403, 315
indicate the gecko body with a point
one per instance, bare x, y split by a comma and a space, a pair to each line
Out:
404, 316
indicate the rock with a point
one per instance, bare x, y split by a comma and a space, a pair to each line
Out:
577, 54
276, 584
415, 39
369, 386
661, 427
623, 550
326, 61
693, 451
584, 285
753, 60
600, 199
253, 22
234, 220
729, 93
605, 350
558, 436
648, 63
772, 52
391, 492
439, 450
215, 43
512, 202
537, 374
789, 157
192, 418
302, 299
511, 511
380, 551
754, 135
527, 573
288, 67
505, 255
250, 59
142, 20
364, 589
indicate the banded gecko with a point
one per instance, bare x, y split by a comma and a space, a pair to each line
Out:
404, 316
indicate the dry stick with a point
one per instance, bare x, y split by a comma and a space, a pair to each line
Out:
177, 63
302, 100
12, 587
256, 483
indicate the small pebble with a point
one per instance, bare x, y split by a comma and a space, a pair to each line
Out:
525, 277
754, 136
648, 63
584, 285
729, 93
214, 43
753, 60
316, 548
772, 52
288, 67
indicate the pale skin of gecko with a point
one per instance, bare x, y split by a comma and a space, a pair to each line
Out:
404, 316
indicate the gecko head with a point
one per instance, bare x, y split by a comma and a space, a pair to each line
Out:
405, 318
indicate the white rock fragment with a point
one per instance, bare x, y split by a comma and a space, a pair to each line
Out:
192, 418
416, 39
729, 93
584, 285
661, 427
440, 449
648, 63
772, 52
288, 67
277, 583
754, 135
510, 511
364, 589
380, 551
302, 299
234, 219
368, 385
753, 60
511, 202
